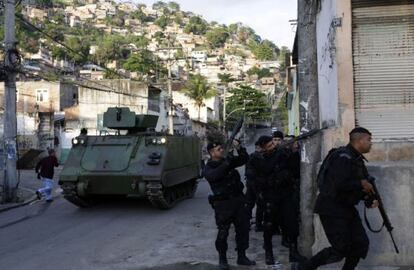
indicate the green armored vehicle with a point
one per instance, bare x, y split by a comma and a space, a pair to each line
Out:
135, 162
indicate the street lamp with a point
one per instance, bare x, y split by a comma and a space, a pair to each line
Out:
233, 111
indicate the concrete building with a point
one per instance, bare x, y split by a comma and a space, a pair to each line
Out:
39, 104
43, 56
199, 56
207, 113
91, 105
365, 56
292, 98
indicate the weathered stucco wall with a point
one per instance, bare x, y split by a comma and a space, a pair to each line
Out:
395, 171
337, 134
92, 103
327, 68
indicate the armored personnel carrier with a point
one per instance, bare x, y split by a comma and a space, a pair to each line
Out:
134, 162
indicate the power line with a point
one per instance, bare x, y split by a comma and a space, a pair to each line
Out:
84, 56
65, 81
22, 19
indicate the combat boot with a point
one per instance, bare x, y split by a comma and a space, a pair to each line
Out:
269, 259
294, 255
297, 266
285, 241
243, 260
223, 264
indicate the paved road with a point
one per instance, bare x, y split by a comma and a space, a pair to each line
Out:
116, 235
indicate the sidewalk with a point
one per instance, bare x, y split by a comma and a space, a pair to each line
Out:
27, 187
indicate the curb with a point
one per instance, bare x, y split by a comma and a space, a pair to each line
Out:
26, 202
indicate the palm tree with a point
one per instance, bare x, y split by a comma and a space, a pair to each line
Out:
225, 78
198, 89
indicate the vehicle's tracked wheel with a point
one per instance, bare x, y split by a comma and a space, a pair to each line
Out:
167, 197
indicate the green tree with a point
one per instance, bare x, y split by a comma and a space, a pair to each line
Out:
270, 44
59, 18
110, 48
80, 49
248, 101
140, 41
173, 6
159, 5
178, 19
260, 72
162, 22
59, 52
56, 31
159, 36
233, 28
142, 62
282, 56
217, 37
198, 89
28, 39
180, 54
264, 51
247, 35
139, 15
196, 25
225, 78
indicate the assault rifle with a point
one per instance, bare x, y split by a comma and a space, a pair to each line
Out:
302, 136
235, 131
386, 221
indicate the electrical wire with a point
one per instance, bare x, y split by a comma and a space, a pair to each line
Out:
46, 77
84, 56
22, 19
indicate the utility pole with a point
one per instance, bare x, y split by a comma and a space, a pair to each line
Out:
224, 108
169, 86
10, 126
170, 101
309, 118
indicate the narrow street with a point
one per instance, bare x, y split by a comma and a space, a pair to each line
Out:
125, 234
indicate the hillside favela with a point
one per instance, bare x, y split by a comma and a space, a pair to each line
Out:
206, 134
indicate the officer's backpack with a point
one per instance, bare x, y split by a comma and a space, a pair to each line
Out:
332, 154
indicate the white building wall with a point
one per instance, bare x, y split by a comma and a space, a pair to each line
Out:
180, 98
327, 67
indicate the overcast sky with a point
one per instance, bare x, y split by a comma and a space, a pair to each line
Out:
269, 18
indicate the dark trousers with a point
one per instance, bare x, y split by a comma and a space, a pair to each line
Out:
280, 211
348, 240
233, 211
255, 198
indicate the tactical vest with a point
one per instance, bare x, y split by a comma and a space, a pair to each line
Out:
327, 188
229, 185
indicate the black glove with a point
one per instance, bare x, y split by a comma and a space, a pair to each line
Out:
369, 200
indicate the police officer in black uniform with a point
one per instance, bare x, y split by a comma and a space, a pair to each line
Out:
276, 183
294, 165
342, 182
229, 202
253, 195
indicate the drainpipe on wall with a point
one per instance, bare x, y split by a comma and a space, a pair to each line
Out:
309, 118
